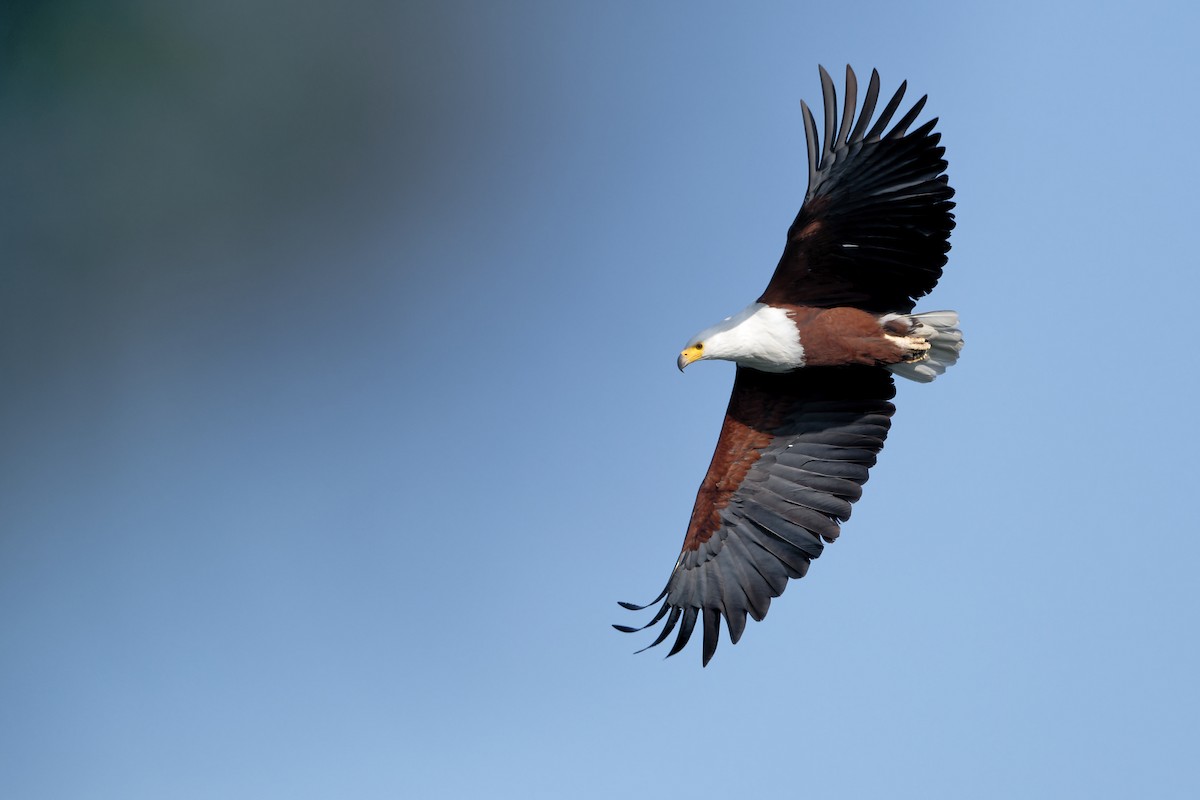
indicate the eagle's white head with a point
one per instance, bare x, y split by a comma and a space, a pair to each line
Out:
760, 336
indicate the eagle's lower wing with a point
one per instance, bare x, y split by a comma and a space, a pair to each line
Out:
793, 454
874, 228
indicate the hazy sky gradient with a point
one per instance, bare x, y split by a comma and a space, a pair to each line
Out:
339, 404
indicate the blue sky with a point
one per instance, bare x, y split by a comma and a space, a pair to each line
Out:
340, 405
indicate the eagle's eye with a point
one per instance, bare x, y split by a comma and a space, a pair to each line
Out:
700, 346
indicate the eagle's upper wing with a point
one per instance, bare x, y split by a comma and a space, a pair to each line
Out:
873, 229
793, 455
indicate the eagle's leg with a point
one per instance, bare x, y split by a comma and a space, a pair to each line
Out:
912, 348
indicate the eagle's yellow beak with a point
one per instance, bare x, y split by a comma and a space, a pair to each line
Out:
689, 355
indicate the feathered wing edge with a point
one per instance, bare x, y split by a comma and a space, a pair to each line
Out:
873, 229
826, 426
830, 144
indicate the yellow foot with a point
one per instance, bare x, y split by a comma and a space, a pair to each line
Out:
913, 348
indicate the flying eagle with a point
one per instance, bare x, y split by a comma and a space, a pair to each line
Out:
815, 356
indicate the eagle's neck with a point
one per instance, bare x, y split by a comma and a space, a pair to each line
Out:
759, 336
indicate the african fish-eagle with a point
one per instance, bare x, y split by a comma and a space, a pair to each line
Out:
815, 356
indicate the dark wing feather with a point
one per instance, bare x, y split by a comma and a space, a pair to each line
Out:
793, 455
874, 228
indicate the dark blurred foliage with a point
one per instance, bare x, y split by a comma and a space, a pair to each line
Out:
214, 162
133, 128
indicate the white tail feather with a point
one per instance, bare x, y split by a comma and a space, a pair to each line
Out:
940, 330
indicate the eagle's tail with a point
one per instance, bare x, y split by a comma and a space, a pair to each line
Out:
940, 330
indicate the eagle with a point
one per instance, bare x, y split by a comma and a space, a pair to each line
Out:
815, 355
